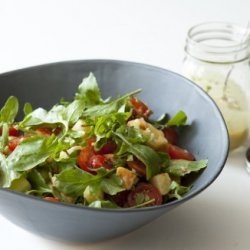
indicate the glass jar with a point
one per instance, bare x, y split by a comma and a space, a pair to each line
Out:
217, 59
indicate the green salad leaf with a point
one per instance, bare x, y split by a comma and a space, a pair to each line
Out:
89, 92
184, 167
147, 155
9, 110
178, 120
112, 185
73, 181
33, 151
7, 174
108, 107
177, 190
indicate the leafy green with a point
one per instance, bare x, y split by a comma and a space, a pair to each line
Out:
178, 120
147, 155
7, 174
5, 135
183, 167
110, 107
9, 111
38, 182
27, 108
59, 114
33, 151
89, 92
73, 181
176, 190
112, 185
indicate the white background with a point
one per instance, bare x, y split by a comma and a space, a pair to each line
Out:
150, 31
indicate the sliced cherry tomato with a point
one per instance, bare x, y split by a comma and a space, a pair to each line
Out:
140, 109
84, 158
138, 166
171, 135
13, 143
54, 199
176, 152
108, 148
121, 198
143, 193
97, 161
12, 131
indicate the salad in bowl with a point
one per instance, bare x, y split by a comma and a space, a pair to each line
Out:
95, 152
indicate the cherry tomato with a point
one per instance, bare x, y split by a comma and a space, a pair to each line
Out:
140, 109
97, 161
176, 152
121, 198
138, 166
54, 199
84, 158
148, 191
12, 131
108, 148
171, 135
13, 143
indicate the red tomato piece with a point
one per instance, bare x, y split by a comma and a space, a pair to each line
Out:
176, 152
140, 109
12, 131
97, 161
138, 166
108, 148
148, 191
84, 158
54, 199
13, 143
121, 198
171, 135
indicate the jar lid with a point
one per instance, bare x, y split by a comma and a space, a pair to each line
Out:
218, 42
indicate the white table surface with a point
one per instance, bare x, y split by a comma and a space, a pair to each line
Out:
149, 31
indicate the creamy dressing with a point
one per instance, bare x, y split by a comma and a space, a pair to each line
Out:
232, 102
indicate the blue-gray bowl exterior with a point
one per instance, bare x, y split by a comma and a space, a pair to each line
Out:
163, 91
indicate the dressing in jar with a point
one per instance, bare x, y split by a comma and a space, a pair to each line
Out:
217, 59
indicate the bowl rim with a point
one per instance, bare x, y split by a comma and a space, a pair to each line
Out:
187, 196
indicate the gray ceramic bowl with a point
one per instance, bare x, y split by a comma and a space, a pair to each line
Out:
163, 91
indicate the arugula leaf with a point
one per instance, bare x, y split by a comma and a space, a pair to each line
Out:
110, 107
178, 120
20, 184
32, 152
147, 155
112, 185
176, 190
41, 116
5, 135
183, 167
89, 92
73, 112
9, 111
27, 108
59, 114
7, 174
38, 182
103, 204
73, 181
106, 124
